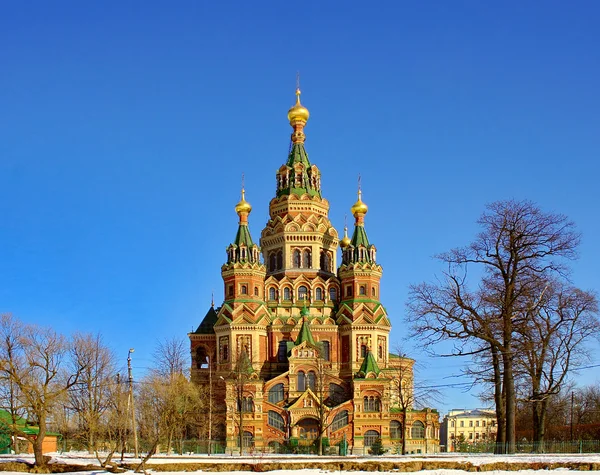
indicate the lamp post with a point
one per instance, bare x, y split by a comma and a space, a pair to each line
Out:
135, 439
210, 402
572, 400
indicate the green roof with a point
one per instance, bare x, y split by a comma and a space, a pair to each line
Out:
369, 365
6, 418
243, 236
359, 238
305, 333
298, 155
21, 424
208, 322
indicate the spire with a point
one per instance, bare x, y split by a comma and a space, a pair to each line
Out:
345, 240
359, 249
208, 322
369, 365
298, 116
242, 248
305, 333
298, 176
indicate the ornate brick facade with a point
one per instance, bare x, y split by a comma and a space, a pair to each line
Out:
300, 346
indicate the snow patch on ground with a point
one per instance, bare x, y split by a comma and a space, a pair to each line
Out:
296, 462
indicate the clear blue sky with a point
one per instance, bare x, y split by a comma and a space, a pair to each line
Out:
125, 128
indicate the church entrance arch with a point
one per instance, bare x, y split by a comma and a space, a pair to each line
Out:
370, 437
308, 430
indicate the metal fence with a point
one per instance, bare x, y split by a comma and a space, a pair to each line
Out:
525, 447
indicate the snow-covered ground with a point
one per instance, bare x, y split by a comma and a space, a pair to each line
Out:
296, 462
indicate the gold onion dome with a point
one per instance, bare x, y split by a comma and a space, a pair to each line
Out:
345, 240
298, 112
243, 206
359, 207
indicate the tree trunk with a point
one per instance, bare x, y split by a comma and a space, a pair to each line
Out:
38, 444
539, 424
509, 386
499, 400
142, 466
404, 430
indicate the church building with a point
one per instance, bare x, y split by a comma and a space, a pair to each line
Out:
299, 349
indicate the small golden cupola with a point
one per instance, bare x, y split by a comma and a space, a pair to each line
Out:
345, 240
298, 116
243, 208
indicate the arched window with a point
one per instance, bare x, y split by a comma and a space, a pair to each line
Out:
256, 291
395, 430
272, 293
311, 380
247, 439
371, 404
272, 262
244, 290
287, 294
363, 351
417, 431
280, 260
276, 394
325, 347
301, 381
370, 437
306, 259
373, 293
340, 420
297, 259
318, 293
332, 294
302, 293
276, 421
201, 357
362, 290
247, 404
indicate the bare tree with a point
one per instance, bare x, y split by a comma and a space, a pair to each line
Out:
549, 342
34, 359
90, 398
405, 395
327, 399
239, 391
170, 357
518, 247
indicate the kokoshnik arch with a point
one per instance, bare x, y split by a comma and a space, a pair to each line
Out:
299, 341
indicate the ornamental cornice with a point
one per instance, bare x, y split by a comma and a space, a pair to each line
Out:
247, 327
229, 271
201, 336
349, 327
249, 268
358, 267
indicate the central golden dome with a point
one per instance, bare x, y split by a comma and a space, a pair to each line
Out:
359, 207
243, 206
298, 113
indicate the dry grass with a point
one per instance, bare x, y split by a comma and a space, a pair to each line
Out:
345, 465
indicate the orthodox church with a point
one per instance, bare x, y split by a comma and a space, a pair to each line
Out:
299, 349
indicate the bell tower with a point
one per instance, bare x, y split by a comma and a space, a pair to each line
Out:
242, 319
364, 325
299, 246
